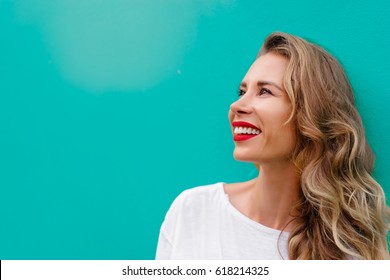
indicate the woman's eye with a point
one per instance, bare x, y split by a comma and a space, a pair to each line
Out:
265, 91
240, 92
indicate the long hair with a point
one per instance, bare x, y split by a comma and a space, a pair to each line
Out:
342, 213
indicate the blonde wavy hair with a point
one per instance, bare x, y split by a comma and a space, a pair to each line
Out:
342, 213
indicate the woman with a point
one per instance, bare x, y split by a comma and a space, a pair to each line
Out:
314, 197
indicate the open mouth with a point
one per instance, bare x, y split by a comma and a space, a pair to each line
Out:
244, 131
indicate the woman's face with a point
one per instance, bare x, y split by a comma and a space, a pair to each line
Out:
258, 118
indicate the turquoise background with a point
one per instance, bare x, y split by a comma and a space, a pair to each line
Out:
109, 109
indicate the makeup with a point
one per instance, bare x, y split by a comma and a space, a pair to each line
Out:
244, 131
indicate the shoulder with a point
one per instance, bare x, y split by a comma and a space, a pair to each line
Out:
199, 196
191, 203
191, 208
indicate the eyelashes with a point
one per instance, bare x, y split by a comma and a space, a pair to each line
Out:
265, 91
262, 91
240, 92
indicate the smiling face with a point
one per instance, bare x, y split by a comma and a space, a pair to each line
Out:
258, 118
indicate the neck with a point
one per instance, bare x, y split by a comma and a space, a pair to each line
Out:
273, 195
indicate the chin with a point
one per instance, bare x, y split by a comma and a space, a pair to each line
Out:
243, 157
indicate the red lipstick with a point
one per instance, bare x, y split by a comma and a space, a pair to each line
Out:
244, 136
244, 124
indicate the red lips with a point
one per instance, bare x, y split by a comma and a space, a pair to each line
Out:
244, 124
244, 137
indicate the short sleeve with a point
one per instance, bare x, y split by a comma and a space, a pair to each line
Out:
165, 239
164, 248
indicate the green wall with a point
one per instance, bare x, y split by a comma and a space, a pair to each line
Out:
109, 109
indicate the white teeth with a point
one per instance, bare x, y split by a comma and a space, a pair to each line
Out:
245, 130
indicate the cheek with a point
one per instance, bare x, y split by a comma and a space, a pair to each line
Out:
280, 133
290, 137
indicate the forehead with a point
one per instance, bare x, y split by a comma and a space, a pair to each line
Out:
270, 67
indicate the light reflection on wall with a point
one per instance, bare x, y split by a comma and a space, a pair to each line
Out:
117, 45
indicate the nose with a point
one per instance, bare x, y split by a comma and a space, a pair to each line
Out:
241, 106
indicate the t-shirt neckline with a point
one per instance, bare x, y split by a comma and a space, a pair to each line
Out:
246, 219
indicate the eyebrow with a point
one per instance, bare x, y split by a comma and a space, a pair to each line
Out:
262, 83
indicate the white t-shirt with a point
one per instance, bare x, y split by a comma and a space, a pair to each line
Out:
202, 224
